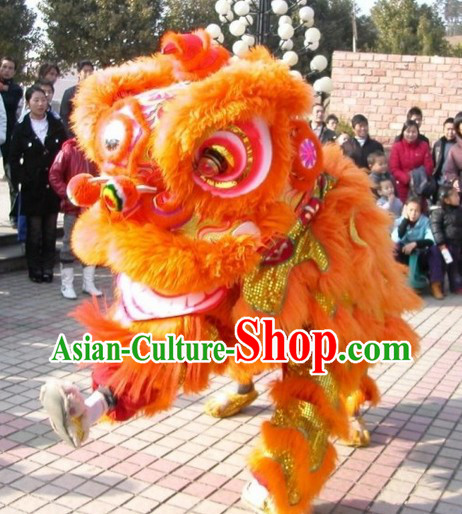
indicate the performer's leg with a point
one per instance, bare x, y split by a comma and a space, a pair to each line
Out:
72, 415
295, 457
367, 393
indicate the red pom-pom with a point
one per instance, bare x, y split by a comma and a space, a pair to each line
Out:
120, 194
81, 192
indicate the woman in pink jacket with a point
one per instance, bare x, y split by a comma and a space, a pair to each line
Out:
69, 162
407, 154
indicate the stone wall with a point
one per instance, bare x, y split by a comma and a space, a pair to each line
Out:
383, 88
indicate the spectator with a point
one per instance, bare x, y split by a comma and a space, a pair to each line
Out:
453, 165
2, 124
441, 149
415, 114
342, 138
446, 224
85, 69
69, 162
34, 145
319, 127
361, 146
11, 95
332, 122
414, 246
409, 155
387, 199
47, 87
49, 71
378, 167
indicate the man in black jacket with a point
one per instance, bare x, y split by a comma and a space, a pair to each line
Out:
11, 95
318, 126
85, 69
441, 149
361, 145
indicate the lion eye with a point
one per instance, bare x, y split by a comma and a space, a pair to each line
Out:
211, 162
235, 160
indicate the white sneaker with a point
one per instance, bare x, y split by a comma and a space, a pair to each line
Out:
88, 285
65, 405
67, 280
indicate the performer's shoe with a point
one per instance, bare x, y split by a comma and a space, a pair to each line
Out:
257, 498
65, 406
229, 404
359, 435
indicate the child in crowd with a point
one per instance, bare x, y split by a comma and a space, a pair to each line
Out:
378, 168
332, 122
69, 162
446, 225
415, 247
387, 198
342, 138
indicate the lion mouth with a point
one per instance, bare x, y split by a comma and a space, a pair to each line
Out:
138, 302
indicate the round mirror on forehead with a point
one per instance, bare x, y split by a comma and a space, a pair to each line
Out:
113, 134
115, 137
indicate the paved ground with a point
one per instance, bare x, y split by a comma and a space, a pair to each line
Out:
184, 461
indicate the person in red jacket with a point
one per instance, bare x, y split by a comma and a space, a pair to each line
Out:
407, 154
69, 162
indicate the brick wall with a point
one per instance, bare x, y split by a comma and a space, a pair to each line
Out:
383, 88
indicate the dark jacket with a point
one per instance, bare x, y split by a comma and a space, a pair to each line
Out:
438, 153
326, 135
66, 108
404, 158
30, 162
446, 223
69, 162
358, 153
453, 165
11, 99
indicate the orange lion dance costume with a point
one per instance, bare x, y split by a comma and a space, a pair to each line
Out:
216, 201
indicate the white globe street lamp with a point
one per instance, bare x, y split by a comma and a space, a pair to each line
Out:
222, 7
318, 63
276, 24
242, 8
237, 28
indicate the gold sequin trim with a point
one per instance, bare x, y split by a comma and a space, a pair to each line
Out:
326, 303
287, 463
265, 288
304, 417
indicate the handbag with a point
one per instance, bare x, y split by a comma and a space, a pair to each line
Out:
422, 184
22, 222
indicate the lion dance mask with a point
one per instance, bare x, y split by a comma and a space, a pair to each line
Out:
216, 201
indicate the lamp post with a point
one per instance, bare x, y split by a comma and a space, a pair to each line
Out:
276, 24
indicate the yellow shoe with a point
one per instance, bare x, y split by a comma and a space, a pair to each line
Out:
359, 435
229, 404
